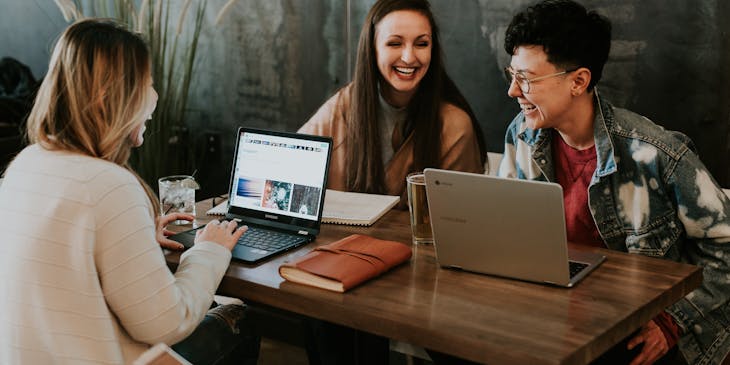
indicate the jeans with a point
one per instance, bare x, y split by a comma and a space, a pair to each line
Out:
223, 337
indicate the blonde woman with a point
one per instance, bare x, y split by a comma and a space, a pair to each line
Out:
83, 277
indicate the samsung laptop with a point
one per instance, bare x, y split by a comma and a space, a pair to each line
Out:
277, 189
505, 227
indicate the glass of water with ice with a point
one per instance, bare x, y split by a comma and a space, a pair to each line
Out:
177, 194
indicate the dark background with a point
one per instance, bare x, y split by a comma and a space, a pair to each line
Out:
271, 63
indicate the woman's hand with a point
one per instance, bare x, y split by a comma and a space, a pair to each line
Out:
223, 233
161, 232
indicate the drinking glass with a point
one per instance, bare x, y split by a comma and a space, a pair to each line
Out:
177, 194
418, 206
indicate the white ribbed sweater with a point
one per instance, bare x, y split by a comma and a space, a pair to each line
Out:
82, 279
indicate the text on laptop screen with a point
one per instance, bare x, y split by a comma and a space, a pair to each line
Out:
280, 175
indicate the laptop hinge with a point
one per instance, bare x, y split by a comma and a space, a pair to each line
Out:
303, 233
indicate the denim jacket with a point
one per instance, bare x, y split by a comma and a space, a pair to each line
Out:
650, 195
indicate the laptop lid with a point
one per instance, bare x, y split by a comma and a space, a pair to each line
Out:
278, 180
505, 227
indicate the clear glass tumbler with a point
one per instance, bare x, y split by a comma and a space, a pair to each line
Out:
177, 195
418, 206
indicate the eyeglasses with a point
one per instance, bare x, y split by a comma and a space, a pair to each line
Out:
523, 82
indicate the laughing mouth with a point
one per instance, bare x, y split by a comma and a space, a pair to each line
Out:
407, 71
527, 107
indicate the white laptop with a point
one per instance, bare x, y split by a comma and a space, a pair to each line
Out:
505, 227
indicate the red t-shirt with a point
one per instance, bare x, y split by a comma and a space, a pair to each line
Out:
573, 171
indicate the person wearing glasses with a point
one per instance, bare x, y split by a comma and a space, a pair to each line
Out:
628, 184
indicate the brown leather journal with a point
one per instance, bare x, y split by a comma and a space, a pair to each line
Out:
346, 263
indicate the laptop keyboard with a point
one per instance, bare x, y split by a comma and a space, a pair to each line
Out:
266, 240
576, 267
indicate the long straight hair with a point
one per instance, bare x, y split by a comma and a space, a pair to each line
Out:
365, 170
94, 93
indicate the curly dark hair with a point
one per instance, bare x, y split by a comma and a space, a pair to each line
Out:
571, 35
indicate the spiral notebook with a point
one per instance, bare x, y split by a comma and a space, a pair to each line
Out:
220, 209
342, 207
357, 209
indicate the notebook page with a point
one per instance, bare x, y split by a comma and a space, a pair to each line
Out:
342, 207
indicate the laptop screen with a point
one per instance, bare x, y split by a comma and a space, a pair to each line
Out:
279, 176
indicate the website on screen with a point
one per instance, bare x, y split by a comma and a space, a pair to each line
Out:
279, 175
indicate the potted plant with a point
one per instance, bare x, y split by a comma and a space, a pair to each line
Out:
173, 45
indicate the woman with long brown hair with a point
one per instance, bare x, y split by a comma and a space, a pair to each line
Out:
402, 112
83, 275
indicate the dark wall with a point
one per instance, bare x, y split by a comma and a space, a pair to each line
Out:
672, 66
271, 64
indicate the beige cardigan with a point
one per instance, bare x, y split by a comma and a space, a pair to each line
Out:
83, 279
459, 147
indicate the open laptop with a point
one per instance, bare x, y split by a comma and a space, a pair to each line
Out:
505, 227
277, 189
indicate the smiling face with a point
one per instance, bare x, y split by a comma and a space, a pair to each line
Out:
550, 101
403, 51
137, 135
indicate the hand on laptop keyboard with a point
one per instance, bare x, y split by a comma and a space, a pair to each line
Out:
223, 233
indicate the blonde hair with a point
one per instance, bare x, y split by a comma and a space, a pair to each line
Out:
94, 93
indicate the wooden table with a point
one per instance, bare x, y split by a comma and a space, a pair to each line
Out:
476, 317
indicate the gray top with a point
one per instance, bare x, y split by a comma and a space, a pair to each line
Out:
388, 118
